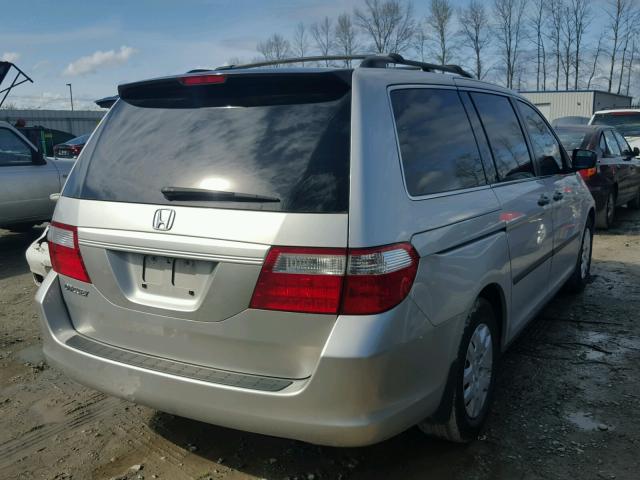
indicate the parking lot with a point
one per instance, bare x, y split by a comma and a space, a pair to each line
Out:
566, 407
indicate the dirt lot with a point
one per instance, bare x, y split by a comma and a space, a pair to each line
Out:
568, 402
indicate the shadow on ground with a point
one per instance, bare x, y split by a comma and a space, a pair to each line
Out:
12, 249
403, 456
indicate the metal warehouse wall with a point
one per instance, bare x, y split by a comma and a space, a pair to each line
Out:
606, 100
562, 104
578, 103
77, 122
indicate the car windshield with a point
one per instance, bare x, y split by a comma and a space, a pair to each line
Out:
572, 139
627, 123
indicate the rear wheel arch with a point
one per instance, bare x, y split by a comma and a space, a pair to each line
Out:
494, 294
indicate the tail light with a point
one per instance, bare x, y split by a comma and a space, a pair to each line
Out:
65, 252
203, 79
325, 280
588, 172
75, 150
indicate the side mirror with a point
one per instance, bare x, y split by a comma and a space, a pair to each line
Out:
636, 151
37, 158
54, 197
583, 159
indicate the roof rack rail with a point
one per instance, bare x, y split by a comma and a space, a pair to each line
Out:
283, 61
367, 61
381, 61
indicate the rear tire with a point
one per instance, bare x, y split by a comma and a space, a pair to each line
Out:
609, 214
582, 273
474, 379
635, 203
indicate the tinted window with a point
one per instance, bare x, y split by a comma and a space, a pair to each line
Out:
296, 152
572, 139
545, 146
603, 144
13, 151
622, 142
612, 143
505, 136
627, 122
439, 152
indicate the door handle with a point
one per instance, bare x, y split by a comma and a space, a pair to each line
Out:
558, 196
543, 200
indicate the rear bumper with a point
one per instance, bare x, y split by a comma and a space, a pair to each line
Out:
376, 377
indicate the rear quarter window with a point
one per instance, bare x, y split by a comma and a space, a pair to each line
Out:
438, 149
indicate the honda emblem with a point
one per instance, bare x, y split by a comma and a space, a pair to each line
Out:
163, 219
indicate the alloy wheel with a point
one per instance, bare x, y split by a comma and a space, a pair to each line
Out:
611, 208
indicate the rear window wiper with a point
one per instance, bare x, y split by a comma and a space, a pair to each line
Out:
201, 194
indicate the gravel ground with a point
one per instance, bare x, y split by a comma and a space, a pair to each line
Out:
566, 405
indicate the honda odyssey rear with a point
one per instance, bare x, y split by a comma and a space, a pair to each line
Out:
239, 247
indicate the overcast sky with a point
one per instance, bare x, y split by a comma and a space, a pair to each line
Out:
95, 45
98, 44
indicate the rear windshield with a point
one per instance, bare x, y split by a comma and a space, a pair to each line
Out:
297, 153
628, 123
572, 139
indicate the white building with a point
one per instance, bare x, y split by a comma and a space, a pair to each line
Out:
581, 103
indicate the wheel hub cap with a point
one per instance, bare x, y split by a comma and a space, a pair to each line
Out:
478, 370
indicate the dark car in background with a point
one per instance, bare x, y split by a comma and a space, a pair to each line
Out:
615, 180
71, 148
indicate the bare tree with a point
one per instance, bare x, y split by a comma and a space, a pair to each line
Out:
617, 11
630, 31
568, 39
276, 47
420, 42
509, 32
630, 68
474, 28
300, 43
322, 33
596, 57
555, 9
581, 14
346, 37
389, 24
538, 24
439, 23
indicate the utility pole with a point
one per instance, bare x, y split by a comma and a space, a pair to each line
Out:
71, 95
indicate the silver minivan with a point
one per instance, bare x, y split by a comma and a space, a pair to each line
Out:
331, 255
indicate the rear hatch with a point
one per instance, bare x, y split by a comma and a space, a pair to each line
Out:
179, 196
